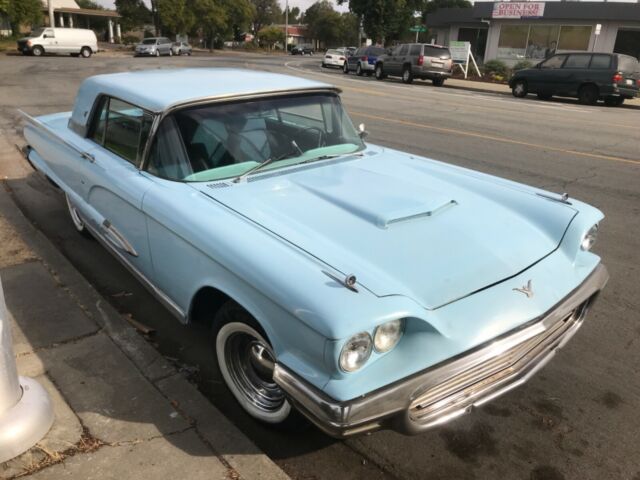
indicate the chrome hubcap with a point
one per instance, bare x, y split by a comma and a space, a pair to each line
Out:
519, 88
250, 364
406, 75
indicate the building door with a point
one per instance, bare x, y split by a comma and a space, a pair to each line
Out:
478, 39
628, 42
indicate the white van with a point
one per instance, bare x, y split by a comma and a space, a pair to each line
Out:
74, 41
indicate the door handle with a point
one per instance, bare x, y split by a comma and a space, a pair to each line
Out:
115, 238
88, 156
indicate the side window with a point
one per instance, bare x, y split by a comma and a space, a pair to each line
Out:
554, 62
415, 50
49, 33
600, 61
122, 128
577, 61
167, 158
404, 50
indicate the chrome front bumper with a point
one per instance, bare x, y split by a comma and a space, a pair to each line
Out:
447, 390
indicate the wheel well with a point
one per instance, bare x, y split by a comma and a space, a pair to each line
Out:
405, 65
205, 305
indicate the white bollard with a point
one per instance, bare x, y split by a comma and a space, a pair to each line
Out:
26, 413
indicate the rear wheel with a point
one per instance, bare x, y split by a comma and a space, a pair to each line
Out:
588, 95
37, 51
438, 82
520, 89
85, 52
379, 72
246, 361
407, 74
613, 101
359, 70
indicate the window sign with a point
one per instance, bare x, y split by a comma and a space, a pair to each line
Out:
537, 42
518, 9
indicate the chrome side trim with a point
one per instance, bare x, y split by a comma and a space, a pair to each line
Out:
155, 291
116, 238
391, 406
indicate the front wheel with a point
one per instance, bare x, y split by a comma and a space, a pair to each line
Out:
246, 361
345, 68
37, 51
520, 89
379, 72
157, 53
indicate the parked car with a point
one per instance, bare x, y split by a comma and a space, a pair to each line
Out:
333, 58
59, 41
612, 77
302, 50
363, 60
416, 60
154, 46
181, 48
414, 291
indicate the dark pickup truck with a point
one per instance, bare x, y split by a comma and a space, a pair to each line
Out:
589, 77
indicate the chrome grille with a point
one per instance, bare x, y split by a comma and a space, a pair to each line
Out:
481, 380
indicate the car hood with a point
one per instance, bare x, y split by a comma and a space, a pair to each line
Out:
403, 225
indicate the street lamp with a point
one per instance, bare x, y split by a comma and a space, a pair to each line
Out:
286, 27
26, 413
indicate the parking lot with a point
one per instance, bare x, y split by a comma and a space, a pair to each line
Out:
576, 419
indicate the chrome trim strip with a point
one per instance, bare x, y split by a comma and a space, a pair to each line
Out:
389, 407
117, 239
155, 291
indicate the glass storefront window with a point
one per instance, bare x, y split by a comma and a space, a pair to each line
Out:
537, 42
574, 37
513, 41
543, 41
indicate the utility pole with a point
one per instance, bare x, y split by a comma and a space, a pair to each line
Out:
286, 27
52, 20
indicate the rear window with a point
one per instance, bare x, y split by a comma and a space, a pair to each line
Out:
577, 61
627, 64
333, 52
601, 61
437, 52
375, 51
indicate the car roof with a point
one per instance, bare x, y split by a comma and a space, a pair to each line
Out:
159, 89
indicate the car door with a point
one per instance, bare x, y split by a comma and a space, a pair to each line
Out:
49, 41
546, 77
353, 60
114, 188
575, 72
399, 58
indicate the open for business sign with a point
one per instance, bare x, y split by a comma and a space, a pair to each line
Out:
518, 9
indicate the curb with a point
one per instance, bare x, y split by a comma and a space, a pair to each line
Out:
213, 428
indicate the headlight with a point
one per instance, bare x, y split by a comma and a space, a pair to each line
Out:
387, 335
589, 238
355, 352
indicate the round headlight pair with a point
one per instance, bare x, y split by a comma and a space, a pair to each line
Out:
357, 350
589, 238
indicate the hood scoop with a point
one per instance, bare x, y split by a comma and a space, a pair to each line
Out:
382, 203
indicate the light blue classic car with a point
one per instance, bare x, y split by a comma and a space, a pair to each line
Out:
362, 286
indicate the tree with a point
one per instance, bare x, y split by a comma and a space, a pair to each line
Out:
135, 14
385, 20
22, 12
323, 22
210, 20
240, 14
271, 35
349, 29
266, 13
90, 4
176, 16
432, 5
295, 16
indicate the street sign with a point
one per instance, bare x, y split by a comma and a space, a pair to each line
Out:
418, 28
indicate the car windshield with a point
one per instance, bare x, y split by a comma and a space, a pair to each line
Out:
229, 140
149, 41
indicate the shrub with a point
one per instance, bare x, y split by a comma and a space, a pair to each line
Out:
496, 68
130, 39
522, 64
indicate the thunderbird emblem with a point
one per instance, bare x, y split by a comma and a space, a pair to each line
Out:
526, 289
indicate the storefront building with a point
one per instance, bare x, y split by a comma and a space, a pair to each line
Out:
532, 31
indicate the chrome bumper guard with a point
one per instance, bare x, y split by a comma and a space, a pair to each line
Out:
452, 388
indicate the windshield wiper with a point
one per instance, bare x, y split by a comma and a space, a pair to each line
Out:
269, 160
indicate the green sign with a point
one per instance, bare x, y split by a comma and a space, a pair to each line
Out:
418, 28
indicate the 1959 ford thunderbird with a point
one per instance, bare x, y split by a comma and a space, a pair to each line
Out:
364, 287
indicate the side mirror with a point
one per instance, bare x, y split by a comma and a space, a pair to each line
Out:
45, 36
362, 133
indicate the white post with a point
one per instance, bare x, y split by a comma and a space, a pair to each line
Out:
110, 31
52, 18
61, 19
118, 32
26, 413
70, 20
286, 27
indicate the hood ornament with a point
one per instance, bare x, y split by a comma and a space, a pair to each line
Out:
526, 289
349, 281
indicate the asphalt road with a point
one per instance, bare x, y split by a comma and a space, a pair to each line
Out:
577, 419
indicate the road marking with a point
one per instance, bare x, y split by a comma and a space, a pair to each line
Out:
496, 139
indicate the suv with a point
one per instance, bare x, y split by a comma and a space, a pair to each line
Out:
416, 60
363, 60
587, 76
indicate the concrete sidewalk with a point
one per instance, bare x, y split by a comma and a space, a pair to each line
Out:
122, 411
